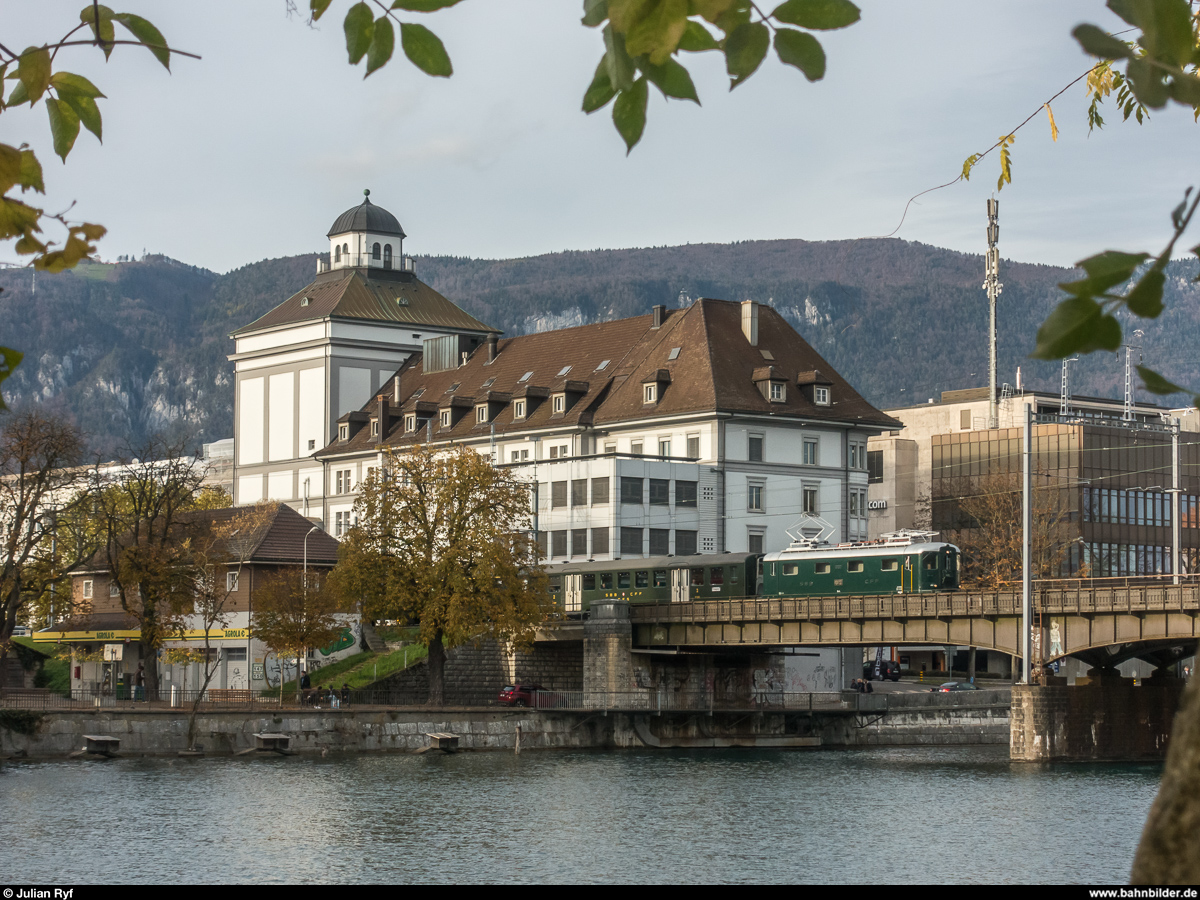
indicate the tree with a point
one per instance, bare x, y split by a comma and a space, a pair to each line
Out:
295, 610
38, 479
148, 536
221, 544
444, 540
989, 531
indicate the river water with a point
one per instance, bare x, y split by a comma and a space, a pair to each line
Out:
886, 815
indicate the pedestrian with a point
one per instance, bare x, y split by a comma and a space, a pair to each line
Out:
334, 703
345, 694
305, 685
139, 681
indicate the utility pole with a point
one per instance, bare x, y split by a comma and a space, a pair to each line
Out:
992, 285
1064, 400
1026, 545
1176, 505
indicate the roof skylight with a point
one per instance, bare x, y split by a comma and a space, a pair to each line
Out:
563, 371
489, 382
603, 365
524, 377
674, 353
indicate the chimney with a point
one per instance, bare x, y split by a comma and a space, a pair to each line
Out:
396, 389
750, 321
491, 346
382, 416
660, 313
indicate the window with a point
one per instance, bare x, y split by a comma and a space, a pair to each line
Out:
754, 541
855, 565
889, 565
599, 491
778, 392
755, 450
649, 393
660, 541
858, 454
636, 448
697, 577
631, 490
589, 582
558, 543
376, 251
113, 590
542, 544
809, 457
343, 432
231, 582
87, 590
716, 576
660, 578
821, 396
387, 256
599, 542
810, 500
754, 496
519, 409
623, 580
519, 455
664, 448
312, 445
821, 568
341, 523
631, 541
444, 421
685, 543
858, 502
481, 413
342, 481
875, 467
410, 423
374, 427
558, 494
579, 542
693, 446
603, 365
610, 448
641, 578
660, 492
791, 569
685, 494
560, 402
337, 253
579, 492
606, 581
563, 371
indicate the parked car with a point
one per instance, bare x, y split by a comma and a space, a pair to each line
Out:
518, 694
890, 670
956, 686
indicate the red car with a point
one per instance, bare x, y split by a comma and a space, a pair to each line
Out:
518, 694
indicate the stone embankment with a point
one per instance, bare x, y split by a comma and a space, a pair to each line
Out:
916, 719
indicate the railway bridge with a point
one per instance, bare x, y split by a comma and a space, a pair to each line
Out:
1100, 621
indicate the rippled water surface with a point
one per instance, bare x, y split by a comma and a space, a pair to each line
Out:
924, 815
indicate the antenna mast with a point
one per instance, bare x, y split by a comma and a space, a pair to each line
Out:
992, 285
1129, 348
1064, 400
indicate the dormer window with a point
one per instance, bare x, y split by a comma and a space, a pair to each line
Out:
374, 427
519, 409
410, 423
343, 432
649, 393
481, 413
778, 392
444, 419
560, 403
821, 396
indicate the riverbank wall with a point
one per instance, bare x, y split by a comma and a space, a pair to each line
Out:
916, 719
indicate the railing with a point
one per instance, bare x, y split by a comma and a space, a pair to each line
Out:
366, 260
563, 701
1083, 599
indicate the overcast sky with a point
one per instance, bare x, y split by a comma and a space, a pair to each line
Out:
253, 151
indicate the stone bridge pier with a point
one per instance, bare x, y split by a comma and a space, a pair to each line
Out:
1108, 717
607, 651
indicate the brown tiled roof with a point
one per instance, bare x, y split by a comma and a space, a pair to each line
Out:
372, 294
279, 540
713, 371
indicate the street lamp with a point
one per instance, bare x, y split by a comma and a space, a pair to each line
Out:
305, 594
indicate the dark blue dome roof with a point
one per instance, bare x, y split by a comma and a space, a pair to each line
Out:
367, 217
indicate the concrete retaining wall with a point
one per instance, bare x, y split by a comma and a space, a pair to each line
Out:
974, 717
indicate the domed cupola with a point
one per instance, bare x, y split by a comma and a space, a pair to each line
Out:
367, 236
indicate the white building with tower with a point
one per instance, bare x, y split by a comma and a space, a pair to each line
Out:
326, 350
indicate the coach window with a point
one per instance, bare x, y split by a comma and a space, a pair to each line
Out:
660, 577
641, 579
622, 579
889, 565
855, 565
821, 568
605, 580
716, 576
929, 561
697, 578
791, 569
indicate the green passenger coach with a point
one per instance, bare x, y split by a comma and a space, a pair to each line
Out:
657, 579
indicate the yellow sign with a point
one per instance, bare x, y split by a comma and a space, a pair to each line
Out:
223, 634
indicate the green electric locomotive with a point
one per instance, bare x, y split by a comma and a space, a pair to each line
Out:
900, 563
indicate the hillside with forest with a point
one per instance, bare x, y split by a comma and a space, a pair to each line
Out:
137, 348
